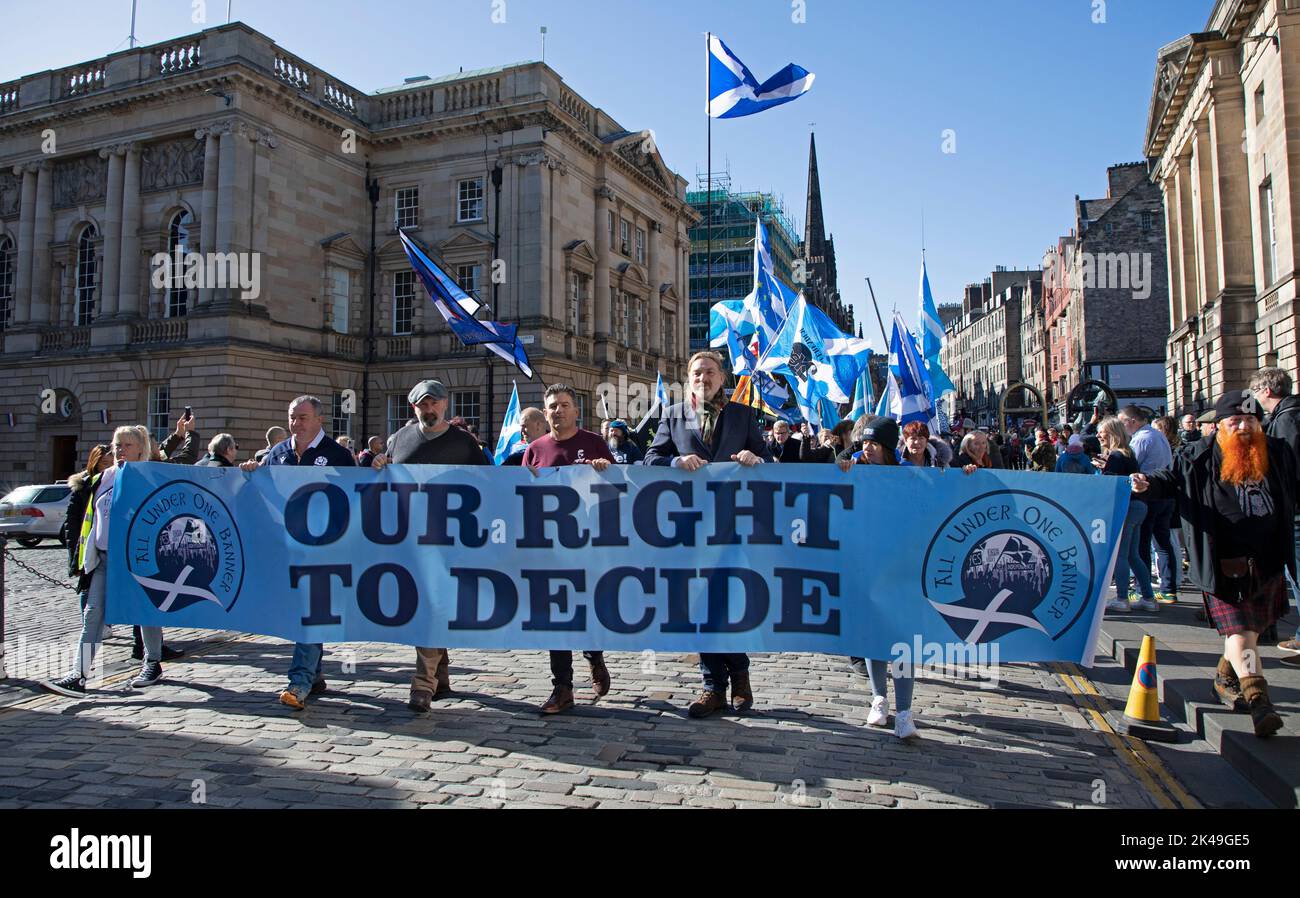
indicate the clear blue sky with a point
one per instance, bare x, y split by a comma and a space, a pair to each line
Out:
1041, 98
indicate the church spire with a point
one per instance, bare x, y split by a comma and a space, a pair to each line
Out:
814, 229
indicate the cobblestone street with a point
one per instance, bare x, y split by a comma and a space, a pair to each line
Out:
213, 732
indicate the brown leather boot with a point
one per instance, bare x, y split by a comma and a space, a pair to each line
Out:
561, 700
1227, 688
1255, 691
742, 696
599, 676
708, 703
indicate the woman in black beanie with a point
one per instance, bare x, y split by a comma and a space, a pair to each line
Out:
878, 437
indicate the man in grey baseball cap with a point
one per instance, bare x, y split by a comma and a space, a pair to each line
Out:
431, 388
429, 440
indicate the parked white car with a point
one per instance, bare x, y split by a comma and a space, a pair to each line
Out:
32, 513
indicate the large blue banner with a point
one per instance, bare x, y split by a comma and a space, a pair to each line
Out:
726, 559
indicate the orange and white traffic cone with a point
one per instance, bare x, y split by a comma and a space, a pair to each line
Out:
1142, 713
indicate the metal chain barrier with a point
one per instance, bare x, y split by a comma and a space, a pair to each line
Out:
13, 559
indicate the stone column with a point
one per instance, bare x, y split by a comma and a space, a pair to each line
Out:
112, 233
1207, 236
226, 198
652, 274
208, 205
601, 330
26, 232
128, 293
1231, 190
42, 234
1172, 237
1186, 243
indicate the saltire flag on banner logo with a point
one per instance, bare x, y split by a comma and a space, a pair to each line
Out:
734, 91
458, 309
931, 329
818, 359
512, 431
911, 401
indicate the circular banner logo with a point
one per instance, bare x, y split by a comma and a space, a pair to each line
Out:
1006, 561
183, 547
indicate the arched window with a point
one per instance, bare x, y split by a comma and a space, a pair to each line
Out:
87, 275
6, 282
178, 244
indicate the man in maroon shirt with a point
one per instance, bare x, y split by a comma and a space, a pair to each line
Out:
568, 444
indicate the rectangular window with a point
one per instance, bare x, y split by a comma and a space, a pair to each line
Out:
464, 403
625, 236
399, 412
578, 313
633, 313
340, 421
670, 334
87, 279
1259, 105
1268, 230
160, 424
467, 278
1148, 220
339, 287
407, 207
469, 200
7, 263
640, 246
609, 218
403, 301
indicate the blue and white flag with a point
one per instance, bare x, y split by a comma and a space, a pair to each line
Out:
886, 395
734, 91
818, 359
458, 309
730, 329
661, 392
932, 338
765, 309
512, 430
910, 399
864, 394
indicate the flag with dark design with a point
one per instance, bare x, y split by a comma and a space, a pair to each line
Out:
458, 309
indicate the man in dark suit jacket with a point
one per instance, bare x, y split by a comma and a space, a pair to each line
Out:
704, 428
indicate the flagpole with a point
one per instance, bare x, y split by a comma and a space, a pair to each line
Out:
708, 172
879, 320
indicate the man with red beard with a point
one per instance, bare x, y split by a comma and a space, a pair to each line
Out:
1236, 495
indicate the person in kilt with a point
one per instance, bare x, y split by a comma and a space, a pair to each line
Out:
1236, 496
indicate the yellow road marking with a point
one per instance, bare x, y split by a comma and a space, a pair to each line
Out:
1133, 751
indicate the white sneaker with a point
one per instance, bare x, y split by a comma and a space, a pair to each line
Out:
1147, 605
1117, 605
904, 725
879, 715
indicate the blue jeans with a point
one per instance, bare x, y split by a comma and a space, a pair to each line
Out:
880, 675
304, 669
1156, 527
718, 668
1128, 563
92, 625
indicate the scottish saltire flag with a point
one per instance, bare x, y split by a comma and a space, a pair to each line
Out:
864, 398
886, 395
661, 392
764, 392
931, 329
762, 312
512, 430
818, 359
730, 329
910, 391
734, 91
458, 309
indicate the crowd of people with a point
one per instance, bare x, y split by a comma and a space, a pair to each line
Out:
1225, 479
